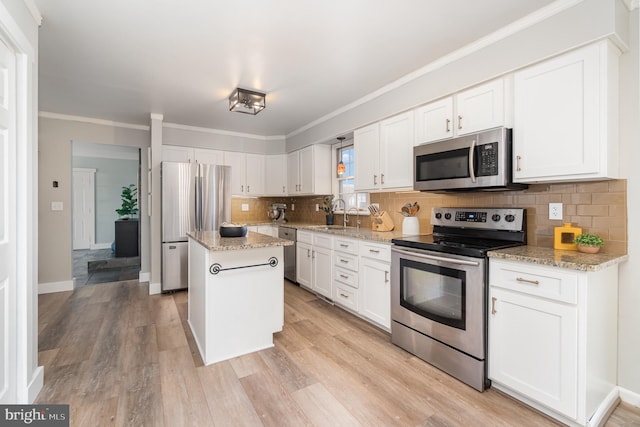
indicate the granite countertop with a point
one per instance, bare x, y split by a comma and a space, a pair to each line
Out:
212, 241
363, 233
572, 260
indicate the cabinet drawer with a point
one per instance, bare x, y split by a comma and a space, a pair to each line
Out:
345, 245
546, 282
345, 296
346, 277
347, 261
304, 237
377, 251
322, 240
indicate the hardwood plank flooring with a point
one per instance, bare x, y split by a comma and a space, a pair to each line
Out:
120, 357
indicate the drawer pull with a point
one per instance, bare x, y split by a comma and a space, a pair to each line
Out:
493, 305
374, 251
533, 282
342, 245
344, 261
344, 296
344, 277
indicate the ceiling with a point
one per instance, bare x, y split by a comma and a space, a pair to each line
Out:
121, 60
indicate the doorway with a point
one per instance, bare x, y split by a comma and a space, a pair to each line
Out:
100, 171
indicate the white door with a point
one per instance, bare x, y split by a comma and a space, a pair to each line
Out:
396, 151
8, 249
375, 291
83, 208
306, 173
254, 170
322, 273
434, 121
293, 172
237, 162
366, 147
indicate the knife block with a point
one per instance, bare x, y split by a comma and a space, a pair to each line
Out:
386, 223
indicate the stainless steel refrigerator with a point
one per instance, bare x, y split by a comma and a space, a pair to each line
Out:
195, 196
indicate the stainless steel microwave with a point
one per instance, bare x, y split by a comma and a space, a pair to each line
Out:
479, 161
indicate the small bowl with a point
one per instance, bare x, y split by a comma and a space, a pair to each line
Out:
232, 230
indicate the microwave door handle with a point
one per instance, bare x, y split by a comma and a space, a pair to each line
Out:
435, 258
472, 151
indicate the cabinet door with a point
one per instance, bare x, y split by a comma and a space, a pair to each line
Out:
275, 167
237, 163
434, 121
533, 345
375, 292
366, 149
174, 153
208, 157
293, 172
254, 174
480, 108
322, 271
306, 171
303, 264
396, 151
557, 126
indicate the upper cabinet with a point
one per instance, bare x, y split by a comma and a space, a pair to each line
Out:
384, 153
208, 157
565, 117
275, 166
309, 170
479, 108
247, 173
175, 153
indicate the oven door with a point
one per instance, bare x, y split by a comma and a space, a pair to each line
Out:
440, 295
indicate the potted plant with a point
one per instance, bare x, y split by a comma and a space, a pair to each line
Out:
129, 202
329, 208
589, 243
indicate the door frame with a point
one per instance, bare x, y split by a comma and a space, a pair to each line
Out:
92, 201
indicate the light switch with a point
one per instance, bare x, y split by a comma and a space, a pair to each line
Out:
56, 206
245, 207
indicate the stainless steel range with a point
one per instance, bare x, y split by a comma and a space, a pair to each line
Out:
439, 287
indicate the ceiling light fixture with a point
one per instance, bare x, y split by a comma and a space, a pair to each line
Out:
341, 169
247, 101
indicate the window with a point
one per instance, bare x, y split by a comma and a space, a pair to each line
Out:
346, 181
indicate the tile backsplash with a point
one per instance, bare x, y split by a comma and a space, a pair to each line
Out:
597, 207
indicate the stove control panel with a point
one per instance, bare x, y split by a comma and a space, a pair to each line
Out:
510, 219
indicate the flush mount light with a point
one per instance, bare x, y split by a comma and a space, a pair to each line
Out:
247, 101
342, 168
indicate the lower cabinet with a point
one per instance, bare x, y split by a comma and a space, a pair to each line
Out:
552, 337
304, 264
314, 262
375, 294
345, 273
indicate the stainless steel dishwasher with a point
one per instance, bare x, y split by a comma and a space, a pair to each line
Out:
289, 252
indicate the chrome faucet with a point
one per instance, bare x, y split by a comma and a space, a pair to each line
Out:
357, 218
344, 212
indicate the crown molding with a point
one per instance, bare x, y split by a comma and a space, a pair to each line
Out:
91, 120
33, 10
223, 132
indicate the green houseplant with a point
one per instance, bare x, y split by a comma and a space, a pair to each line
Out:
589, 243
129, 202
329, 208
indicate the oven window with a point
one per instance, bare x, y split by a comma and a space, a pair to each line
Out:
434, 292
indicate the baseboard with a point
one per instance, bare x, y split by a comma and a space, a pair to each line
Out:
47, 288
36, 384
144, 277
605, 409
630, 397
155, 288
101, 246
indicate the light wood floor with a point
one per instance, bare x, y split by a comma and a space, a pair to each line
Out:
120, 357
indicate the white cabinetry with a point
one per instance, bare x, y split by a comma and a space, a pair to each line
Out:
345, 272
566, 117
314, 262
175, 153
479, 108
382, 151
275, 166
209, 157
552, 337
247, 173
374, 279
309, 170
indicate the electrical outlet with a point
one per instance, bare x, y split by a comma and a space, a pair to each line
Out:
317, 207
245, 207
555, 211
293, 207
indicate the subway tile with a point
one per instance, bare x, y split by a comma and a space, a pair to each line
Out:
592, 187
593, 210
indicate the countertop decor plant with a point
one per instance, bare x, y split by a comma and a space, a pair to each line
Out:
327, 204
589, 243
129, 202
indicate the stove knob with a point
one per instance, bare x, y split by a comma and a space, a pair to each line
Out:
495, 217
447, 216
510, 218
438, 215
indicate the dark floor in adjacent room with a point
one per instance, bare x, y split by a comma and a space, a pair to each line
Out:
101, 266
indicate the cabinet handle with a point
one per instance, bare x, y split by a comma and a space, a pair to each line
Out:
375, 179
459, 121
344, 296
448, 125
342, 245
518, 163
386, 277
344, 277
283, 189
313, 254
344, 261
308, 253
248, 191
242, 188
521, 279
382, 178
493, 305
374, 251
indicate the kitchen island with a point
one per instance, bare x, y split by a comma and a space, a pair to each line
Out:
236, 293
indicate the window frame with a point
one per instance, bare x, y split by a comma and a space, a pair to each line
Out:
335, 148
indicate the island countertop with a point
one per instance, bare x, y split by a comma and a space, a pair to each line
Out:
212, 241
572, 260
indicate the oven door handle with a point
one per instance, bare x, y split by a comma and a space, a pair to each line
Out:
434, 257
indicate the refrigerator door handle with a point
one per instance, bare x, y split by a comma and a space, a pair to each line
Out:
198, 198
